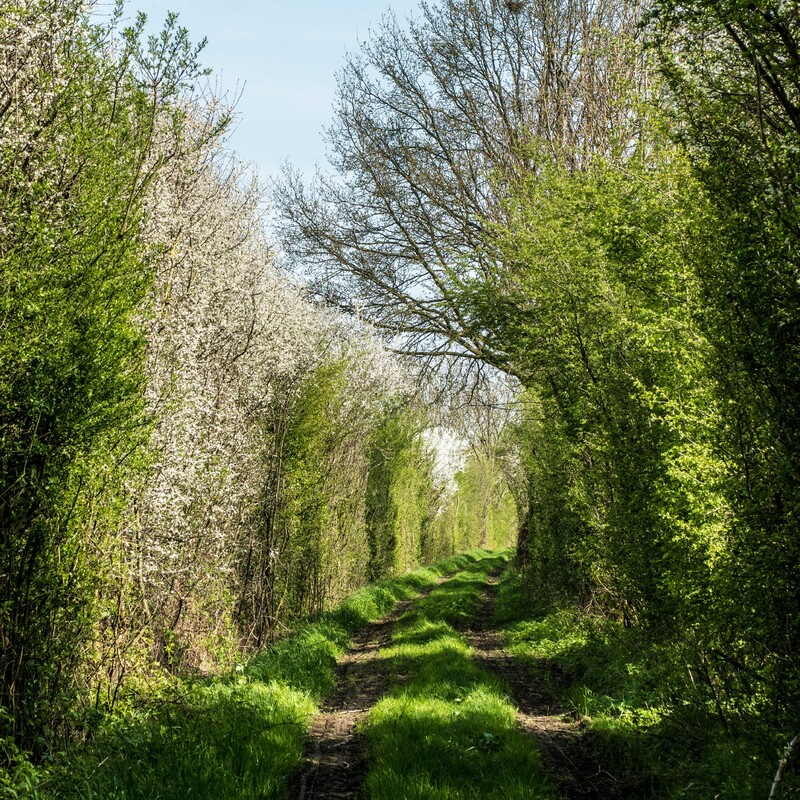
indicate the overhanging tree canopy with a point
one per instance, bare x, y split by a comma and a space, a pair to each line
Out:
432, 123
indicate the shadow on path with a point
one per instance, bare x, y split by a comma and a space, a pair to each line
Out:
565, 745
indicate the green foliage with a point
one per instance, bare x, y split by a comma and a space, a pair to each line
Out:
76, 156
308, 548
658, 482
448, 731
641, 280
648, 300
596, 308
305, 496
650, 722
735, 103
480, 512
103, 147
400, 495
18, 776
411, 519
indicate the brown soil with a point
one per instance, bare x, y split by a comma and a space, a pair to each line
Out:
565, 744
334, 758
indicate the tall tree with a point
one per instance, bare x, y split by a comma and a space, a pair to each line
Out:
79, 109
432, 122
734, 71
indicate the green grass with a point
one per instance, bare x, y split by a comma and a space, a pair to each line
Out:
633, 694
234, 737
448, 732
236, 740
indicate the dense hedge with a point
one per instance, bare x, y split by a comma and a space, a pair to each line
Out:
191, 452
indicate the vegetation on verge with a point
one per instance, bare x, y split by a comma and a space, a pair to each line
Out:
188, 445
238, 735
647, 719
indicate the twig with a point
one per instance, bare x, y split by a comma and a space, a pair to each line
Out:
787, 754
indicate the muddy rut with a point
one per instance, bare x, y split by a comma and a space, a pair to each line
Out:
565, 745
334, 764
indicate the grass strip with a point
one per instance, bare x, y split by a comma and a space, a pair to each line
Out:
448, 732
237, 736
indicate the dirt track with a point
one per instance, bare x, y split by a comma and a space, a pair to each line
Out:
334, 757
334, 763
564, 743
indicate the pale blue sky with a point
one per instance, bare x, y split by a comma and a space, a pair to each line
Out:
284, 55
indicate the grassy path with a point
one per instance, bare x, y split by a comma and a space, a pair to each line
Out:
423, 704
238, 736
431, 705
415, 715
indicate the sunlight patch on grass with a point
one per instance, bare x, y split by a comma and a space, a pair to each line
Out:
464, 747
234, 741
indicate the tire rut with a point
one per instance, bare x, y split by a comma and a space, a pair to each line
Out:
565, 744
334, 761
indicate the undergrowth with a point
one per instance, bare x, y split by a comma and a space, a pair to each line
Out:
234, 736
639, 703
448, 731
